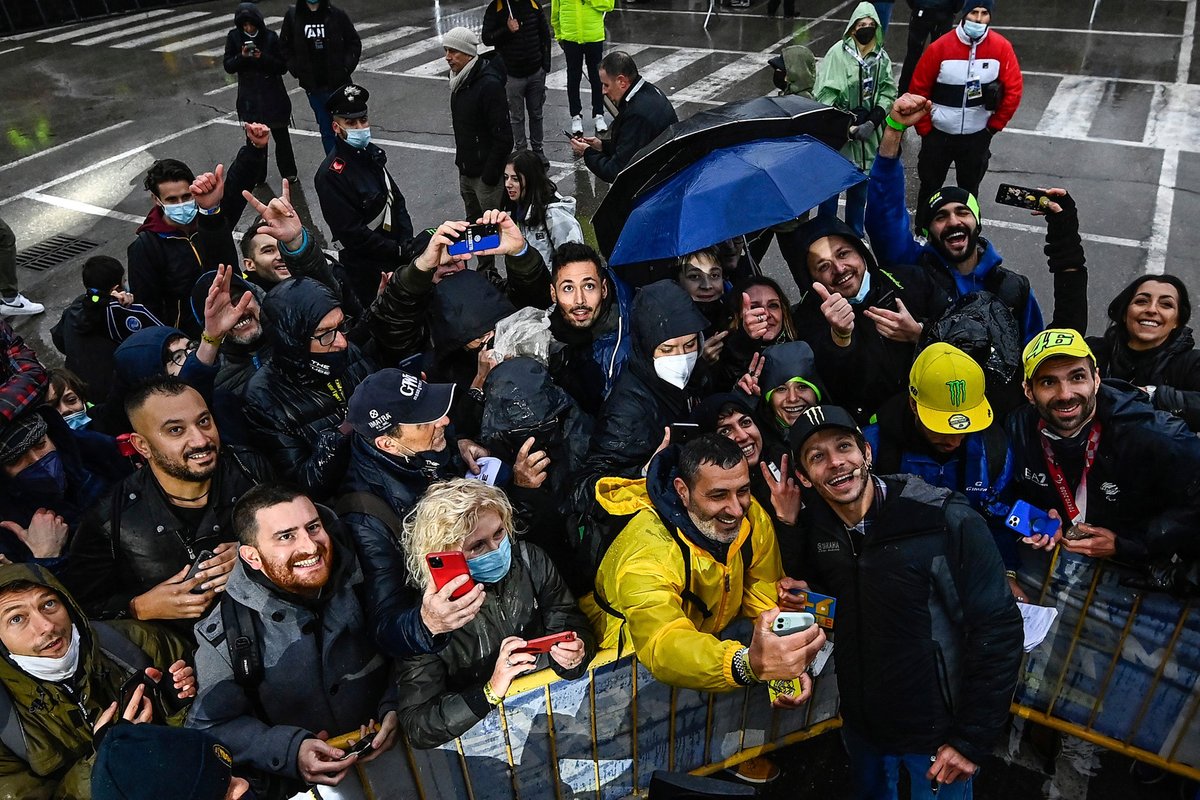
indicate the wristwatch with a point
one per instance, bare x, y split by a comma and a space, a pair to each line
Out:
1150, 390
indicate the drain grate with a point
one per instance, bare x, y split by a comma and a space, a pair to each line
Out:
54, 251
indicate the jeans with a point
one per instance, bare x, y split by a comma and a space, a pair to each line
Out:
970, 154
856, 207
875, 775
479, 197
527, 93
324, 121
8, 262
575, 53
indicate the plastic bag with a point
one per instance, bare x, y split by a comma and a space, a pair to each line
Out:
525, 333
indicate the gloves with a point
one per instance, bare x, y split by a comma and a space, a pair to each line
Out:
1064, 247
861, 133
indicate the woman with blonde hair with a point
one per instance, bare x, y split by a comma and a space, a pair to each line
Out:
445, 694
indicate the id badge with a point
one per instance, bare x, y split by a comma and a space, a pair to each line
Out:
974, 89
868, 88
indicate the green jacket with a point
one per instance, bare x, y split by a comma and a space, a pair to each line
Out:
841, 78
57, 727
579, 20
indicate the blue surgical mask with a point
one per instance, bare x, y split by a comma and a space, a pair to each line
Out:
45, 476
77, 420
974, 30
180, 213
493, 566
358, 138
862, 291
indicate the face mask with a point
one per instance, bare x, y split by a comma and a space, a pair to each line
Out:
77, 420
865, 36
676, 370
862, 290
492, 567
45, 476
180, 213
974, 30
329, 365
52, 669
358, 138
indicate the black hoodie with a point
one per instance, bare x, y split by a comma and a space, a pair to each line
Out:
261, 94
321, 63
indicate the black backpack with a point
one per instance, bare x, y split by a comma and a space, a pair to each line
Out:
982, 325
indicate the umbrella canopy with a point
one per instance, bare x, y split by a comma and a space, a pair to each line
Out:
723, 126
733, 191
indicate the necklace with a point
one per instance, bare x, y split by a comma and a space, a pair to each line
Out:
195, 499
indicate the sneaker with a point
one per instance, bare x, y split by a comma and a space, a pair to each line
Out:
577, 124
20, 306
757, 770
542, 158
292, 179
601, 125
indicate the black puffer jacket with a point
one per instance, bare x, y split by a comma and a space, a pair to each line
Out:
81, 335
785, 361
294, 410
441, 696
1173, 368
261, 94
528, 49
928, 635
329, 66
479, 113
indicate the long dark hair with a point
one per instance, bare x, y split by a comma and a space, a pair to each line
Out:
1120, 303
734, 301
538, 191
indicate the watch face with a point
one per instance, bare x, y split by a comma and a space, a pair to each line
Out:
1074, 533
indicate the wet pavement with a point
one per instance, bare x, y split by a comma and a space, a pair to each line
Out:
1110, 111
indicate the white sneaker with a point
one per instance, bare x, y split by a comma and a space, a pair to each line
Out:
601, 125
577, 124
20, 306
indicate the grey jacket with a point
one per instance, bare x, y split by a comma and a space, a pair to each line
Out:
321, 669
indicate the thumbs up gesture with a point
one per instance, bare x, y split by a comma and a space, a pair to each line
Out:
838, 313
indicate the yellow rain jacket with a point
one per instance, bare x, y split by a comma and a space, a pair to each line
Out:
642, 575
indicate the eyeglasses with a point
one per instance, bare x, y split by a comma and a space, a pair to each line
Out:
330, 336
178, 357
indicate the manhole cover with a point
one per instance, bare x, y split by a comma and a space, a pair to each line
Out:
54, 251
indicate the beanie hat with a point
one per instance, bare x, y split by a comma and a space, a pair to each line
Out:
461, 39
945, 196
156, 761
20, 435
971, 5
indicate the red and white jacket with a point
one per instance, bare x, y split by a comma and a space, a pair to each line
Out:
942, 74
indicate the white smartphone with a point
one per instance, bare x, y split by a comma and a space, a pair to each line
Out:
789, 622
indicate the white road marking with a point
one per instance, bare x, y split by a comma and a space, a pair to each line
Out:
1164, 208
12, 49
390, 36
557, 79
81, 207
103, 26
220, 51
175, 47
164, 34
672, 63
158, 23
722, 80
376, 63
1184, 67
1087, 237
61, 145
1072, 109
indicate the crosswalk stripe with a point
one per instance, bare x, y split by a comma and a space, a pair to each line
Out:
220, 51
430, 69
103, 26
721, 80
1072, 109
389, 36
165, 34
664, 67
392, 56
106, 37
1174, 117
558, 78
175, 47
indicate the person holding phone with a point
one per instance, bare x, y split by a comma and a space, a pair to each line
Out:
253, 53
547, 219
444, 695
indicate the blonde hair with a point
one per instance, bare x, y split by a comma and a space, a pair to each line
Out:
444, 517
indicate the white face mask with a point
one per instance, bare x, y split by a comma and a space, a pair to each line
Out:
52, 669
676, 370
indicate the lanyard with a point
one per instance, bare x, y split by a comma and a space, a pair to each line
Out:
337, 390
1075, 505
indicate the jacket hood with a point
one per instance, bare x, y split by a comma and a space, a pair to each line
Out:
801, 67
301, 5
660, 486
818, 228
708, 414
787, 361
662, 311
465, 306
294, 308
35, 573
248, 12
520, 394
865, 9
143, 355
398, 481
156, 222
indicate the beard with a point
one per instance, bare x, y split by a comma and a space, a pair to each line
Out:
308, 583
972, 243
712, 527
183, 469
249, 336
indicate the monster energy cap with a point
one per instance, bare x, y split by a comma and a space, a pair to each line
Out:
948, 388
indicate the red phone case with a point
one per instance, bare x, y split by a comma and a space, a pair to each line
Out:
445, 567
543, 643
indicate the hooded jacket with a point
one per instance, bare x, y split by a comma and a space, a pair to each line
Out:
784, 362
643, 113
944, 70
1173, 368
641, 404
483, 135
800, 70
81, 335
642, 578
1144, 484
441, 695
261, 94
864, 87
557, 226
321, 63
55, 719
293, 409
872, 368
321, 669
528, 49
928, 634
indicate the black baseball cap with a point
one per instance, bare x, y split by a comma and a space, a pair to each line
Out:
817, 418
238, 286
393, 397
156, 761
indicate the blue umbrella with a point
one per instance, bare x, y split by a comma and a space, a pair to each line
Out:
730, 192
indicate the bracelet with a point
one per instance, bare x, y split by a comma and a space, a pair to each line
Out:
208, 212
1011, 573
492, 698
891, 123
742, 670
303, 244
215, 341
844, 337
475, 393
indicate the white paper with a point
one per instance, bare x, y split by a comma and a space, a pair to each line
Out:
1038, 621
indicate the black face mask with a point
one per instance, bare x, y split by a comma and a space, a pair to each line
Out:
865, 36
330, 365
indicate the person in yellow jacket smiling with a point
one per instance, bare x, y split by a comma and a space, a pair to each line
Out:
699, 552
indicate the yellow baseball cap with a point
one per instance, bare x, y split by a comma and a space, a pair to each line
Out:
1054, 342
948, 387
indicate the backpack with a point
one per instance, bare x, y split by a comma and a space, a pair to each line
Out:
983, 326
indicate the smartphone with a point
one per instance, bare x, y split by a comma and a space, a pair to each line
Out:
789, 622
570, 135
543, 643
125, 446
139, 678
445, 567
476, 238
888, 301
205, 555
1021, 197
1029, 520
361, 746
683, 432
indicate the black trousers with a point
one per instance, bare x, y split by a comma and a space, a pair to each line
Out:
285, 157
969, 153
923, 26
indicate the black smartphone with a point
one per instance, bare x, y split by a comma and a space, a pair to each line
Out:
205, 555
1021, 197
570, 135
139, 678
888, 301
361, 746
683, 432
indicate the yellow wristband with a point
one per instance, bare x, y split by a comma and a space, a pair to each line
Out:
215, 341
490, 695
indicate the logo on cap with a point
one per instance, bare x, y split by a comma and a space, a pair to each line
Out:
815, 415
958, 392
222, 754
958, 421
1048, 339
351, 92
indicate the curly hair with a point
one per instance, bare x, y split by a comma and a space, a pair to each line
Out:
444, 517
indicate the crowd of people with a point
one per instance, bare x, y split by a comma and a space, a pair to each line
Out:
295, 503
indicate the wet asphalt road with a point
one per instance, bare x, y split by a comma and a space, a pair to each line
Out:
1110, 112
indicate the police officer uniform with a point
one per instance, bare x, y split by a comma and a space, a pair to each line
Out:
362, 204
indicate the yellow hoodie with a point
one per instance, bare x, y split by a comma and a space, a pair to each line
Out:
642, 576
